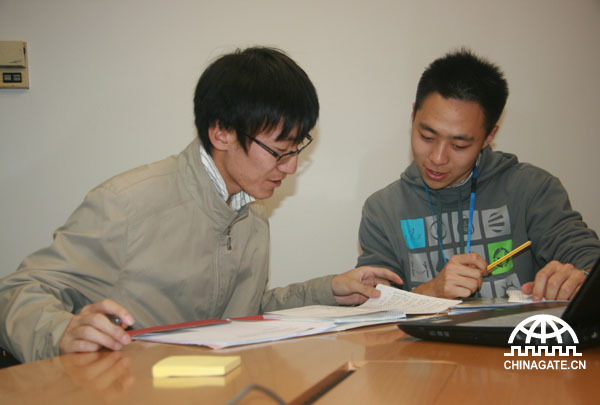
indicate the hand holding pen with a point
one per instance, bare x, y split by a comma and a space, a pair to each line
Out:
463, 275
97, 325
509, 255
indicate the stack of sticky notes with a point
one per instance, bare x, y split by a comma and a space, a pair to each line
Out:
195, 366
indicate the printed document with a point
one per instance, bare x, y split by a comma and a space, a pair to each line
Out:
393, 303
391, 306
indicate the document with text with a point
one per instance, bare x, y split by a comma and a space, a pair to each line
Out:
392, 304
408, 302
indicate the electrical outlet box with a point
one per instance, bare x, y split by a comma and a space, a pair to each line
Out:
14, 72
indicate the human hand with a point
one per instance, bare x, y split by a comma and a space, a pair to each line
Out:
90, 330
461, 277
555, 281
357, 285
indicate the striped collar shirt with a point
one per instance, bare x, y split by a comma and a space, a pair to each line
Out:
237, 200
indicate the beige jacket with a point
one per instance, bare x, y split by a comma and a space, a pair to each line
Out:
158, 240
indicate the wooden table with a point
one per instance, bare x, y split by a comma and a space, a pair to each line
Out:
376, 365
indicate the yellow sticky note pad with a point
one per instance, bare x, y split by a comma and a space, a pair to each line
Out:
194, 382
195, 366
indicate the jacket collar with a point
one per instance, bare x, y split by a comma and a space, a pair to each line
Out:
202, 188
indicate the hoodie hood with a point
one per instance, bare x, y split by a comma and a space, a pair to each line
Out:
456, 199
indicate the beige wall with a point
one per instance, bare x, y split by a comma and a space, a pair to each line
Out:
112, 84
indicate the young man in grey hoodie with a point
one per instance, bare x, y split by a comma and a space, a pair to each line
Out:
460, 205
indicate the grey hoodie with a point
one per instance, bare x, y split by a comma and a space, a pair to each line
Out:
515, 202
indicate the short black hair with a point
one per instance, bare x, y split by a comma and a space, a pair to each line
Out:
465, 76
255, 90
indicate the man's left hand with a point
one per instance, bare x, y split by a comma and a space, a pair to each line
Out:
555, 281
358, 285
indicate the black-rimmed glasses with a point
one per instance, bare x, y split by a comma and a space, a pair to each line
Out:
282, 158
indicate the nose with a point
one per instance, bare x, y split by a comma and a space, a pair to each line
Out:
289, 166
439, 154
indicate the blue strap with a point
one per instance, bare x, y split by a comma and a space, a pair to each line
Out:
471, 208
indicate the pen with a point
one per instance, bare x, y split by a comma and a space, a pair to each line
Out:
509, 255
114, 319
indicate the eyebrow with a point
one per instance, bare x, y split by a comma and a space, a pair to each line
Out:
465, 138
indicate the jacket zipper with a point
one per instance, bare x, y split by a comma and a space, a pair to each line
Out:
229, 238
239, 218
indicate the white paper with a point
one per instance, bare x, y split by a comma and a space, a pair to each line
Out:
410, 303
479, 304
237, 333
393, 303
326, 311
518, 296
337, 314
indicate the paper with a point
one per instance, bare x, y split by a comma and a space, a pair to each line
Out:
237, 333
517, 296
337, 314
409, 303
396, 302
478, 304
391, 304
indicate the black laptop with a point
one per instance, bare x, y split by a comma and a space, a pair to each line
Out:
493, 327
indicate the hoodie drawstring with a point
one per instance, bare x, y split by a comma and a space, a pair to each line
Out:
438, 216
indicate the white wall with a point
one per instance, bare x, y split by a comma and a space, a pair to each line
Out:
112, 84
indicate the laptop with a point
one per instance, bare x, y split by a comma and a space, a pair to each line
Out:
494, 327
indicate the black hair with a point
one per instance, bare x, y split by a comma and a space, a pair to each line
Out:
255, 90
465, 76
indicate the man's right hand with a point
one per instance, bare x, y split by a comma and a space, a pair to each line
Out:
460, 278
90, 330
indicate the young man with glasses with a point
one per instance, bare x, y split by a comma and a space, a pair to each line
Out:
179, 240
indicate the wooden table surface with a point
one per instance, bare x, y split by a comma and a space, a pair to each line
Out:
375, 365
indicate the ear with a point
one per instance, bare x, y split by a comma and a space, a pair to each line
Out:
490, 137
221, 139
412, 115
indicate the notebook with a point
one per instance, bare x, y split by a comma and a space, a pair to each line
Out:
494, 327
